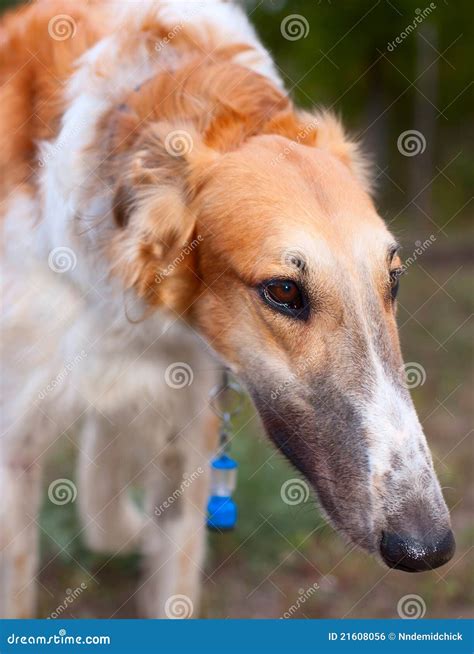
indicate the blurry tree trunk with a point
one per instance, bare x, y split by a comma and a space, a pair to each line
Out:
422, 165
375, 141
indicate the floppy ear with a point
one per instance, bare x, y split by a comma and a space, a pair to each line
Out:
155, 246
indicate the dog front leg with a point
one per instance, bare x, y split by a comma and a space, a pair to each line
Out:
111, 522
20, 490
174, 543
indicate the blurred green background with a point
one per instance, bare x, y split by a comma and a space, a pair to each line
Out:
342, 61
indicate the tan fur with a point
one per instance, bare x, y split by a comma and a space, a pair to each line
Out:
239, 105
33, 71
190, 237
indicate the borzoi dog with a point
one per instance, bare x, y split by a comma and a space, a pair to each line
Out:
165, 205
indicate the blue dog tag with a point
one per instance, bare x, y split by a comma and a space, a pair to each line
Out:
221, 508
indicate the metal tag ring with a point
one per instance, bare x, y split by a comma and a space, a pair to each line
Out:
222, 389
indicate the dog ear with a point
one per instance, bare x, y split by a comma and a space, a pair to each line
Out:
155, 246
322, 129
331, 136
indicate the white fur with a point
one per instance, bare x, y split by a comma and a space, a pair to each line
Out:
73, 327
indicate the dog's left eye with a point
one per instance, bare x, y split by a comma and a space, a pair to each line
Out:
395, 281
285, 296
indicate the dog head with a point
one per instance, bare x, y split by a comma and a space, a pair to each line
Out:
292, 279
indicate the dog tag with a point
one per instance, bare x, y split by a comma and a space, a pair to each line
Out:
221, 508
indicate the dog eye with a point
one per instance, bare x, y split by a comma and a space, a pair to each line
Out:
285, 296
395, 281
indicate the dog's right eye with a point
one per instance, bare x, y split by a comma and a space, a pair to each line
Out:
285, 296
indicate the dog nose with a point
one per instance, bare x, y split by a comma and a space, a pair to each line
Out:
410, 555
